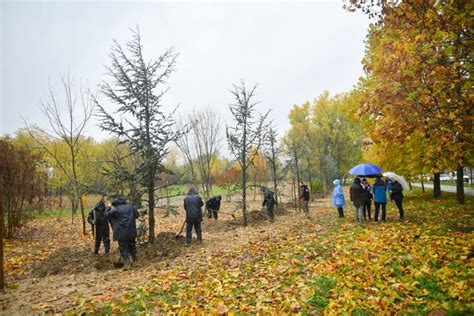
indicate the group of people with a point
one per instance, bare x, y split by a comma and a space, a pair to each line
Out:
362, 195
122, 216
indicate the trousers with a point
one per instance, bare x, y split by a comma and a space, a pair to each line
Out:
128, 248
189, 230
377, 210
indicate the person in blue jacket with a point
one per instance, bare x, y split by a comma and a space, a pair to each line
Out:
389, 187
338, 200
380, 198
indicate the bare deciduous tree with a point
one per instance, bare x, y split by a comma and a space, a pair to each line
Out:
184, 144
201, 146
271, 152
206, 128
68, 128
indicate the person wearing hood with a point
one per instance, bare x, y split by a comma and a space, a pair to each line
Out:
100, 227
304, 197
368, 198
268, 201
213, 204
193, 207
123, 217
397, 196
380, 198
357, 194
338, 199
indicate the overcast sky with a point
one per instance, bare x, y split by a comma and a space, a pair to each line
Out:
294, 51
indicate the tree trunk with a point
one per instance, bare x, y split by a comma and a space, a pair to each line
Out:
436, 185
81, 203
2, 227
298, 181
310, 179
422, 185
293, 191
151, 212
244, 196
460, 185
275, 182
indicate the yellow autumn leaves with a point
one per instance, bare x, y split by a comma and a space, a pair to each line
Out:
325, 265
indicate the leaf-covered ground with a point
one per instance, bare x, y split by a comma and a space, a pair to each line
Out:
301, 265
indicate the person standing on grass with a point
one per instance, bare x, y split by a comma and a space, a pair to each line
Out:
357, 194
268, 201
389, 187
380, 198
338, 199
123, 217
193, 206
368, 198
397, 196
213, 205
100, 227
304, 197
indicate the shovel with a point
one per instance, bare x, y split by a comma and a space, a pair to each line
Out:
180, 231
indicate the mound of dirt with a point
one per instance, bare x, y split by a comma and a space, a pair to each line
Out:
70, 260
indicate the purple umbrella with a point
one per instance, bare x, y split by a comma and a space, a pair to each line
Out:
366, 170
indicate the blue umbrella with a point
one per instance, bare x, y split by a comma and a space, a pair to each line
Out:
366, 170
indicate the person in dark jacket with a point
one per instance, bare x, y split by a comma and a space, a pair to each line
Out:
100, 227
397, 196
213, 205
368, 198
268, 201
193, 206
304, 197
122, 216
357, 194
380, 198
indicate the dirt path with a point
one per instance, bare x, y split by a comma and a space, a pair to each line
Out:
67, 276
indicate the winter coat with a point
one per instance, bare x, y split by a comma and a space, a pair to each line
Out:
268, 199
304, 192
101, 222
213, 203
338, 199
357, 194
368, 193
122, 217
380, 191
193, 204
397, 191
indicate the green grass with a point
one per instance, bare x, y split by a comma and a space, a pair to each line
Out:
323, 286
182, 189
54, 213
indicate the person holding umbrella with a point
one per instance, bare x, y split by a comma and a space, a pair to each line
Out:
396, 190
368, 198
380, 198
357, 194
397, 196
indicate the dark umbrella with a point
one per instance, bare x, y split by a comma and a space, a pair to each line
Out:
366, 170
